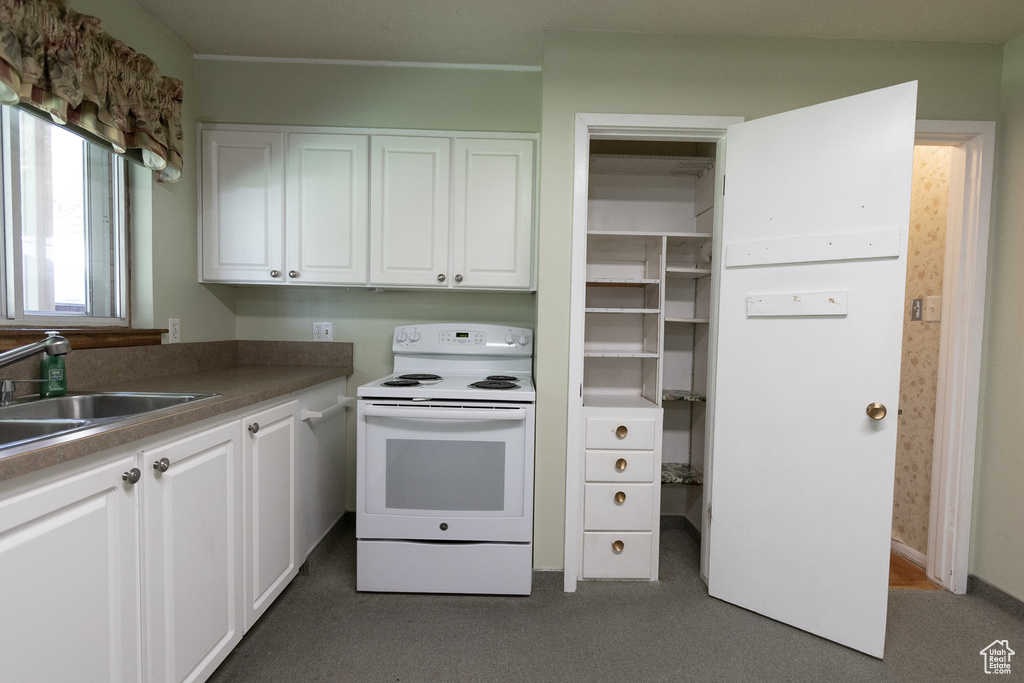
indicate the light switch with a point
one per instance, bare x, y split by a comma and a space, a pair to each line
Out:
932, 309
915, 309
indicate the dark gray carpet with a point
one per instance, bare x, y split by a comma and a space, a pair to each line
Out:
321, 629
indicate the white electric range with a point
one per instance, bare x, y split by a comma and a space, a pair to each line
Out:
444, 492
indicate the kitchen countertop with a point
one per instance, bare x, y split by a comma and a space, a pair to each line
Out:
238, 386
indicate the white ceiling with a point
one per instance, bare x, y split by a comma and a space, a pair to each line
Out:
511, 31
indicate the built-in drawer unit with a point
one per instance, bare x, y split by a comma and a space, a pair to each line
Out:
621, 502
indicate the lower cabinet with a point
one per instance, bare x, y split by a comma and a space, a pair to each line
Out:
69, 578
192, 553
621, 493
269, 507
149, 562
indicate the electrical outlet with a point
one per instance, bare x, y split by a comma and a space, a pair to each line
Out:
323, 332
173, 331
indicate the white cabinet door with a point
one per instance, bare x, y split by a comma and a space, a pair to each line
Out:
69, 581
816, 212
192, 557
242, 206
409, 210
269, 507
326, 209
492, 213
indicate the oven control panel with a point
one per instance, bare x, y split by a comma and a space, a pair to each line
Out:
463, 338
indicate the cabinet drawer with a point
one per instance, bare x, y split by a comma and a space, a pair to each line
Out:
603, 560
634, 434
603, 511
619, 466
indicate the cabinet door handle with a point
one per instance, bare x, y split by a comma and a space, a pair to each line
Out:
621, 431
275, 273
620, 497
618, 547
458, 278
620, 464
293, 274
162, 465
440, 277
132, 476
254, 427
876, 411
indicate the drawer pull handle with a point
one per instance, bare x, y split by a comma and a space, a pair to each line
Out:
620, 497
617, 547
621, 431
620, 464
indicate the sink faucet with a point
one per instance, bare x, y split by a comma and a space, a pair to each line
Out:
53, 345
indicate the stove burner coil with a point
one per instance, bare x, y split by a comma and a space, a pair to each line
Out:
400, 383
421, 377
493, 384
503, 378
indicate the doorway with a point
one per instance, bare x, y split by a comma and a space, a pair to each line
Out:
962, 152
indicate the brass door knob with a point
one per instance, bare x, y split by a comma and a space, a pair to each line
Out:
620, 497
617, 547
876, 411
621, 431
620, 464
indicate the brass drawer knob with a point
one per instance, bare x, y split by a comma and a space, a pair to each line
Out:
620, 464
621, 431
620, 497
617, 547
876, 411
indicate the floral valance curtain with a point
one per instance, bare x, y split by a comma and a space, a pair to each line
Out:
61, 62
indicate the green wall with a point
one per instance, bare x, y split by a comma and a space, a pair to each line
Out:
632, 73
163, 232
997, 534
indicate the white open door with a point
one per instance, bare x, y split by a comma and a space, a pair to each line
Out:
815, 219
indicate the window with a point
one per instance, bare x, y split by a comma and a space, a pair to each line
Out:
64, 227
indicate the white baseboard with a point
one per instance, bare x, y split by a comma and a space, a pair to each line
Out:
915, 556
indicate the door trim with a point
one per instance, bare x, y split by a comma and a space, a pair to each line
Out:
619, 127
960, 345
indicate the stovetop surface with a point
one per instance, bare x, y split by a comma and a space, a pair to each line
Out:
453, 386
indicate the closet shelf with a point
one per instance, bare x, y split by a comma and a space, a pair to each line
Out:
678, 473
687, 272
622, 282
682, 395
622, 310
649, 165
619, 354
671, 234
692, 321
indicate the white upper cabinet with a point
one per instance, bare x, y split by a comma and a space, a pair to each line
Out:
326, 208
409, 215
492, 213
335, 206
242, 205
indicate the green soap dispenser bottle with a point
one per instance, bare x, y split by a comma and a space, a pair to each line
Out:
53, 374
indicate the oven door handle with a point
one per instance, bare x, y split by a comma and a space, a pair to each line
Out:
427, 413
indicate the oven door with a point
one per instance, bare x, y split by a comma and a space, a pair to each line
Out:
433, 471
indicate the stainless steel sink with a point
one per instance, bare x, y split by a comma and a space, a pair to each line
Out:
16, 431
36, 419
98, 406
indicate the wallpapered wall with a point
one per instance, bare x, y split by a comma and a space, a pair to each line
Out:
919, 370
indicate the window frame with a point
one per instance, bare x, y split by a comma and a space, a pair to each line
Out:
12, 314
